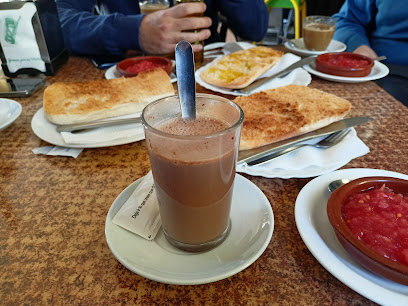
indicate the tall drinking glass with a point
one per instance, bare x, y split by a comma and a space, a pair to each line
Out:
193, 164
198, 56
317, 32
150, 6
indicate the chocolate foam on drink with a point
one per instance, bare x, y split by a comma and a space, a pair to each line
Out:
193, 127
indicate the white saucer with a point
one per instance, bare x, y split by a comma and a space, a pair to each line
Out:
379, 71
251, 232
112, 73
318, 235
334, 46
47, 131
10, 110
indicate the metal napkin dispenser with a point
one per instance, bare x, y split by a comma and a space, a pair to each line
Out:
31, 40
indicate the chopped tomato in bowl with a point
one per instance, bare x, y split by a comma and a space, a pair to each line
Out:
370, 219
132, 66
344, 64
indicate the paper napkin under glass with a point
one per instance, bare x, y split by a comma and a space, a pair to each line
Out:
298, 76
140, 213
105, 134
310, 161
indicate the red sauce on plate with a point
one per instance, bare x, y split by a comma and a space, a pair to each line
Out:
143, 66
379, 218
346, 61
344, 64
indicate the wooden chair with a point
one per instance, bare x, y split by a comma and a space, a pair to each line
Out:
299, 6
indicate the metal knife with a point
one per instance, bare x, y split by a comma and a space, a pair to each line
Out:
254, 154
95, 124
262, 81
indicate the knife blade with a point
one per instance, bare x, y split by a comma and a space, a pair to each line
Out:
253, 155
96, 124
261, 81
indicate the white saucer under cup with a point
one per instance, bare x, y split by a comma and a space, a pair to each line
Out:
251, 231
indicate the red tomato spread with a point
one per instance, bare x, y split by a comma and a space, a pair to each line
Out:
143, 66
347, 61
379, 218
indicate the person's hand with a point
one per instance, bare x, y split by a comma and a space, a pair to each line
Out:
365, 50
160, 31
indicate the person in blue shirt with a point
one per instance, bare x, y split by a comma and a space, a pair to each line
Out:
96, 27
374, 28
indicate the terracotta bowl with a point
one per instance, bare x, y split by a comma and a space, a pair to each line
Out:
362, 253
344, 64
132, 66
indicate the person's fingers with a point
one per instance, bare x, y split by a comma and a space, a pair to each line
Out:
197, 47
365, 50
193, 23
186, 9
159, 32
192, 37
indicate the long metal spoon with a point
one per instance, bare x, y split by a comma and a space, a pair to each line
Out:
186, 79
336, 184
292, 43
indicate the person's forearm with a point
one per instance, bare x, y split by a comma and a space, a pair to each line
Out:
86, 33
353, 23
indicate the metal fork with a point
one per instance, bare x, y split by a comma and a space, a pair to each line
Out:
325, 143
229, 47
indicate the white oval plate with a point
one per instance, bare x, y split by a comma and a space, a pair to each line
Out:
334, 46
47, 131
112, 73
10, 110
251, 232
317, 233
379, 71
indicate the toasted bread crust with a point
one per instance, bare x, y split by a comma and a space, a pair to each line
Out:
287, 111
68, 103
239, 69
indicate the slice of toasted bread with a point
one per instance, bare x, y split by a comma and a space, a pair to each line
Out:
76, 102
287, 111
241, 68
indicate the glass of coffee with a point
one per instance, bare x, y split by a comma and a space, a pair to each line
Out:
150, 6
193, 164
318, 32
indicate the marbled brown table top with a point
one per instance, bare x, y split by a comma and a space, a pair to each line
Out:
53, 209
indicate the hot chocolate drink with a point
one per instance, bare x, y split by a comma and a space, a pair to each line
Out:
194, 194
193, 165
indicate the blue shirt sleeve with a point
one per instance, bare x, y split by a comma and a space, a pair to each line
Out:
117, 30
87, 33
247, 18
355, 22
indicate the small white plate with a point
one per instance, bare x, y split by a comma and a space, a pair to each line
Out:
47, 131
251, 232
318, 235
334, 46
10, 110
112, 73
379, 71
